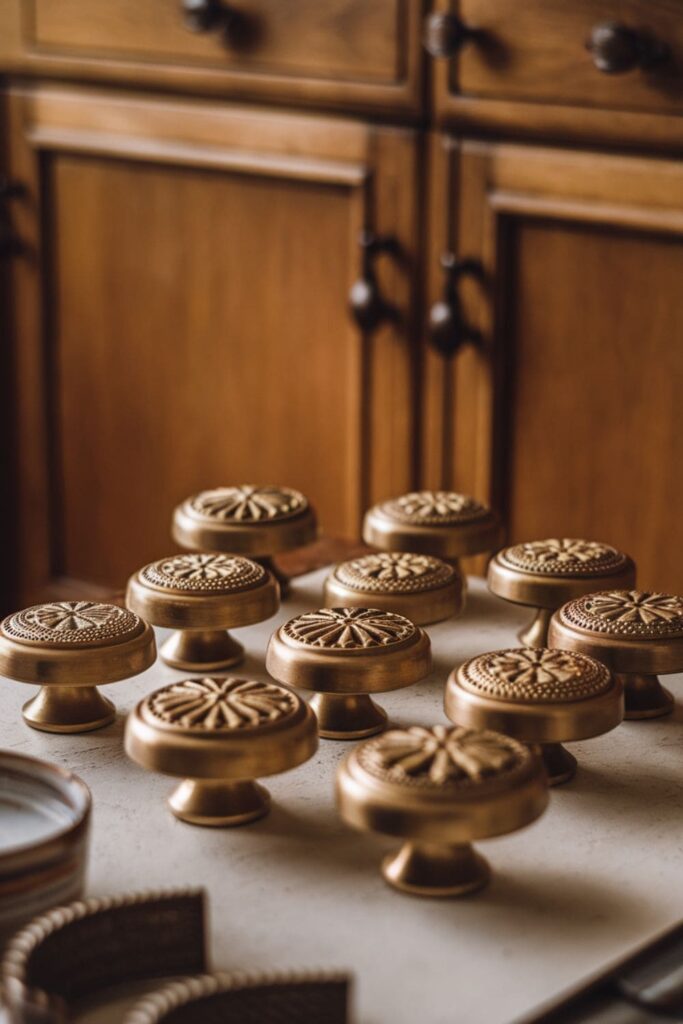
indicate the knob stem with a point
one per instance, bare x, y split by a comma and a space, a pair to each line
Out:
67, 709
430, 869
201, 650
347, 716
219, 803
536, 633
559, 763
645, 697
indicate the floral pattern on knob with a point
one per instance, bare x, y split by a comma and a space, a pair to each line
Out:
221, 704
626, 613
67, 623
248, 504
348, 629
394, 572
444, 756
535, 675
564, 556
434, 508
204, 573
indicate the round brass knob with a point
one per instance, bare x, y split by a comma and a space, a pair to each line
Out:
256, 521
201, 596
538, 696
66, 647
218, 735
441, 523
439, 789
345, 654
636, 633
547, 573
422, 588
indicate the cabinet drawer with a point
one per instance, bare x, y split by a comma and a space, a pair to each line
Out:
346, 40
536, 51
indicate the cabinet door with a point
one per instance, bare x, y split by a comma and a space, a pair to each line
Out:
569, 415
181, 319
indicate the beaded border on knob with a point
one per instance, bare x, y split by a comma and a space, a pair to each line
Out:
72, 624
643, 615
535, 676
434, 508
395, 572
564, 556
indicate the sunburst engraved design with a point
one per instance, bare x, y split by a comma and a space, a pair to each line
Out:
72, 622
434, 508
394, 571
248, 504
204, 573
212, 704
535, 675
564, 556
349, 628
635, 613
442, 756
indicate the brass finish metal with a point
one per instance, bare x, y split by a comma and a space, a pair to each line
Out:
73, 952
345, 654
201, 596
638, 634
235, 998
422, 588
547, 573
439, 789
246, 520
441, 523
218, 735
538, 696
67, 646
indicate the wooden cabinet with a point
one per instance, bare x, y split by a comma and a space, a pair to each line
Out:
177, 267
182, 305
569, 415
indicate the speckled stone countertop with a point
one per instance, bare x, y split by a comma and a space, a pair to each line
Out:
599, 873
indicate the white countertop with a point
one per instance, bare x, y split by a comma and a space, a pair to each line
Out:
599, 873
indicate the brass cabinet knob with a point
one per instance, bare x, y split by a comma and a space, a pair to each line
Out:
538, 696
345, 654
422, 588
547, 573
201, 596
636, 633
617, 49
218, 735
66, 647
439, 789
255, 521
441, 523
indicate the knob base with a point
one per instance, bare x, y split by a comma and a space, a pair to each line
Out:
68, 709
219, 804
201, 650
559, 763
427, 869
645, 697
347, 716
536, 633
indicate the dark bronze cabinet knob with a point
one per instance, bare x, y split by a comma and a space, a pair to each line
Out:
617, 49
448, 330
444, 34
206, 15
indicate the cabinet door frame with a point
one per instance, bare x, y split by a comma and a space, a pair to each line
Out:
479, 189
378, 166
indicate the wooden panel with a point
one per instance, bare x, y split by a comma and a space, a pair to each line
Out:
537, 51
596, 432
341, 54
195, 321
529, 73
568, 418
359, 39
